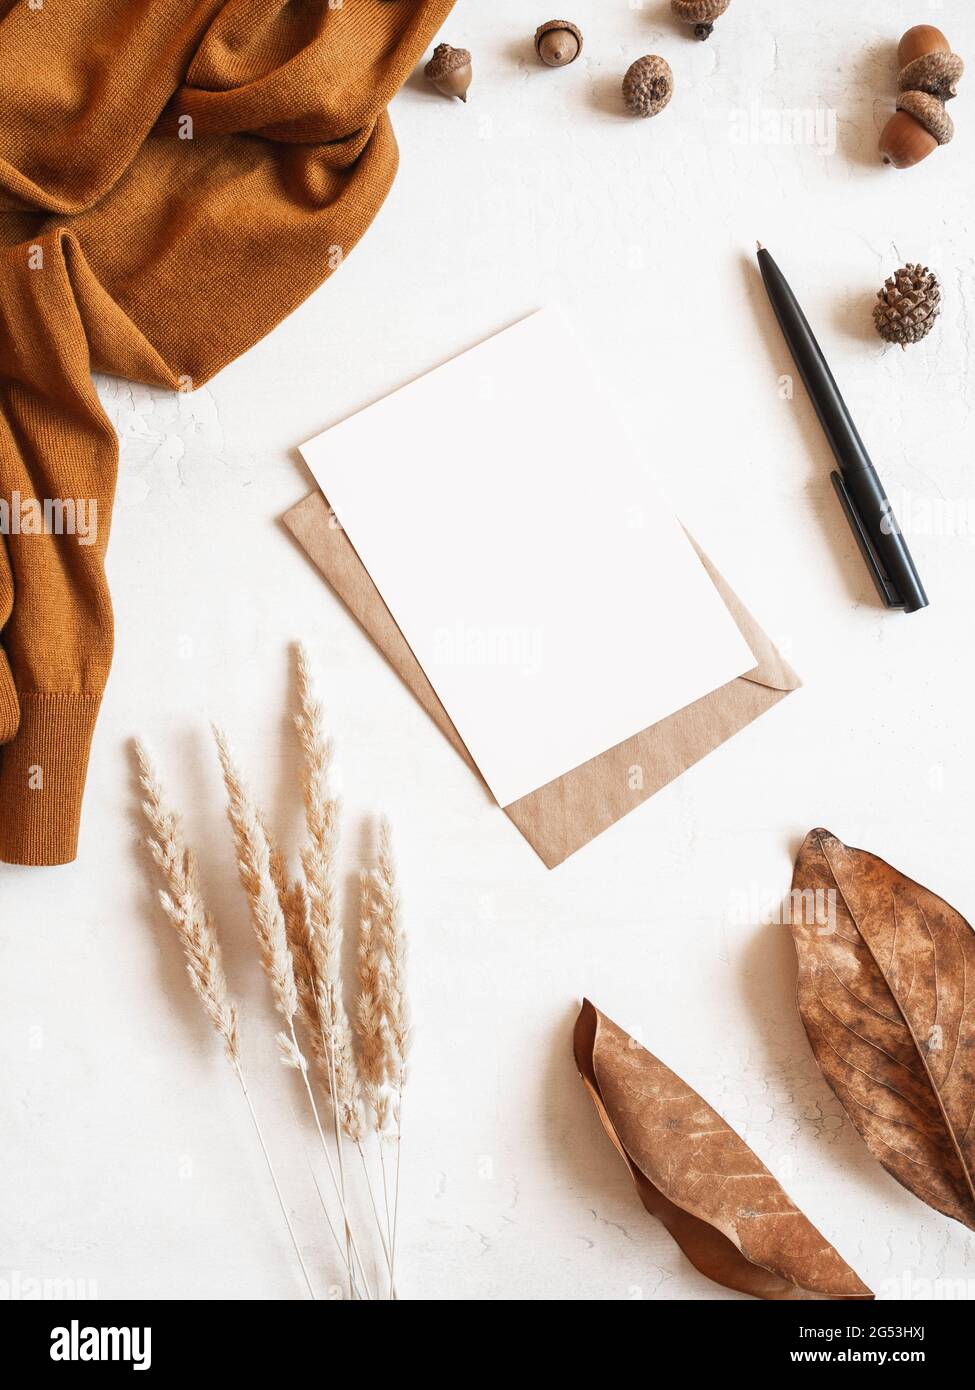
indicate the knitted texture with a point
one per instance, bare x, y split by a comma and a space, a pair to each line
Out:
175, 177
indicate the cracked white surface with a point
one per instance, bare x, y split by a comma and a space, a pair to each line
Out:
127, 1158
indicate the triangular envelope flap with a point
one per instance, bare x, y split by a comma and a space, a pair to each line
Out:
770, 669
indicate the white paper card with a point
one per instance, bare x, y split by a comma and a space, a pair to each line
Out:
511, 526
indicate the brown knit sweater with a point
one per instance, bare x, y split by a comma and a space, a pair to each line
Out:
175, 177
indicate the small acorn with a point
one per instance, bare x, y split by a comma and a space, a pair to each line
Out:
701, 13
558, 42
648, 86
450, 70
916, 129
908, 305
929, 77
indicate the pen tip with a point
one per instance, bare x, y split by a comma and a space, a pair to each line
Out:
759, 246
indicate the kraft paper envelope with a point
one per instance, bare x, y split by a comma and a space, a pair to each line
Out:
560, 818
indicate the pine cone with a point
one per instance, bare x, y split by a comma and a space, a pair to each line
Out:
908, 305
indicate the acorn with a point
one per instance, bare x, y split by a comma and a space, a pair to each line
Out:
450, 70
558, 42
701, 13
648, 86
908, 305
929, 77
919, 125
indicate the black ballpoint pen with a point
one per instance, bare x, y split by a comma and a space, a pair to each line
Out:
857, 485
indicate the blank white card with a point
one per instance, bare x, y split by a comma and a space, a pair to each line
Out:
511, 526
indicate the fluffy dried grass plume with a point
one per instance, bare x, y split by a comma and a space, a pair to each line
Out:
392, 941
182, 902
254, 865
374, 1044
319, 934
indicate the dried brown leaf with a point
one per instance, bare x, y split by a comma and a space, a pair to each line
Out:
692, 1171
887, 997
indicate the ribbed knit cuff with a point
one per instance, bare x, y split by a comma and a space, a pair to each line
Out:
42, 778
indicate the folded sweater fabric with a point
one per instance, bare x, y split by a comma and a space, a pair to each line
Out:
175, 178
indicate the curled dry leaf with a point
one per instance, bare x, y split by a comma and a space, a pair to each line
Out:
692, 1171
887, 997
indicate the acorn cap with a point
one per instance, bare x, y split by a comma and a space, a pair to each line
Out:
648, 86
930, 112
551, 26
935, 73
446, 60
699, 11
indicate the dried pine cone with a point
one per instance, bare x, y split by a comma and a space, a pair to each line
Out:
648, 86
700, 13
908, 305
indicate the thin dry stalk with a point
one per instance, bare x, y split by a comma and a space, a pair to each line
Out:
274, 1179
182, 901
374, 1042
322, 937
395, 1003
311, 1011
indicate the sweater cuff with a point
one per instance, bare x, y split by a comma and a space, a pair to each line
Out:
42, 778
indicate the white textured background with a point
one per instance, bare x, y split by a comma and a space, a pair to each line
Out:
127, 1157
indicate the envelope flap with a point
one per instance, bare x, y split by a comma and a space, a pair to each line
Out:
770, 668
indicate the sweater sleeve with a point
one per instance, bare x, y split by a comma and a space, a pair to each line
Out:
58, 464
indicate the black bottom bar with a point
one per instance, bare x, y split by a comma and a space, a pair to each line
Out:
740, 1336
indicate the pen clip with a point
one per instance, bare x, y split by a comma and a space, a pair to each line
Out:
885, 587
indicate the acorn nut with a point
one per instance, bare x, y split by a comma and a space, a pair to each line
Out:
922, 39
700, 13
648, 86
905, 142
558, 42
450, 70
